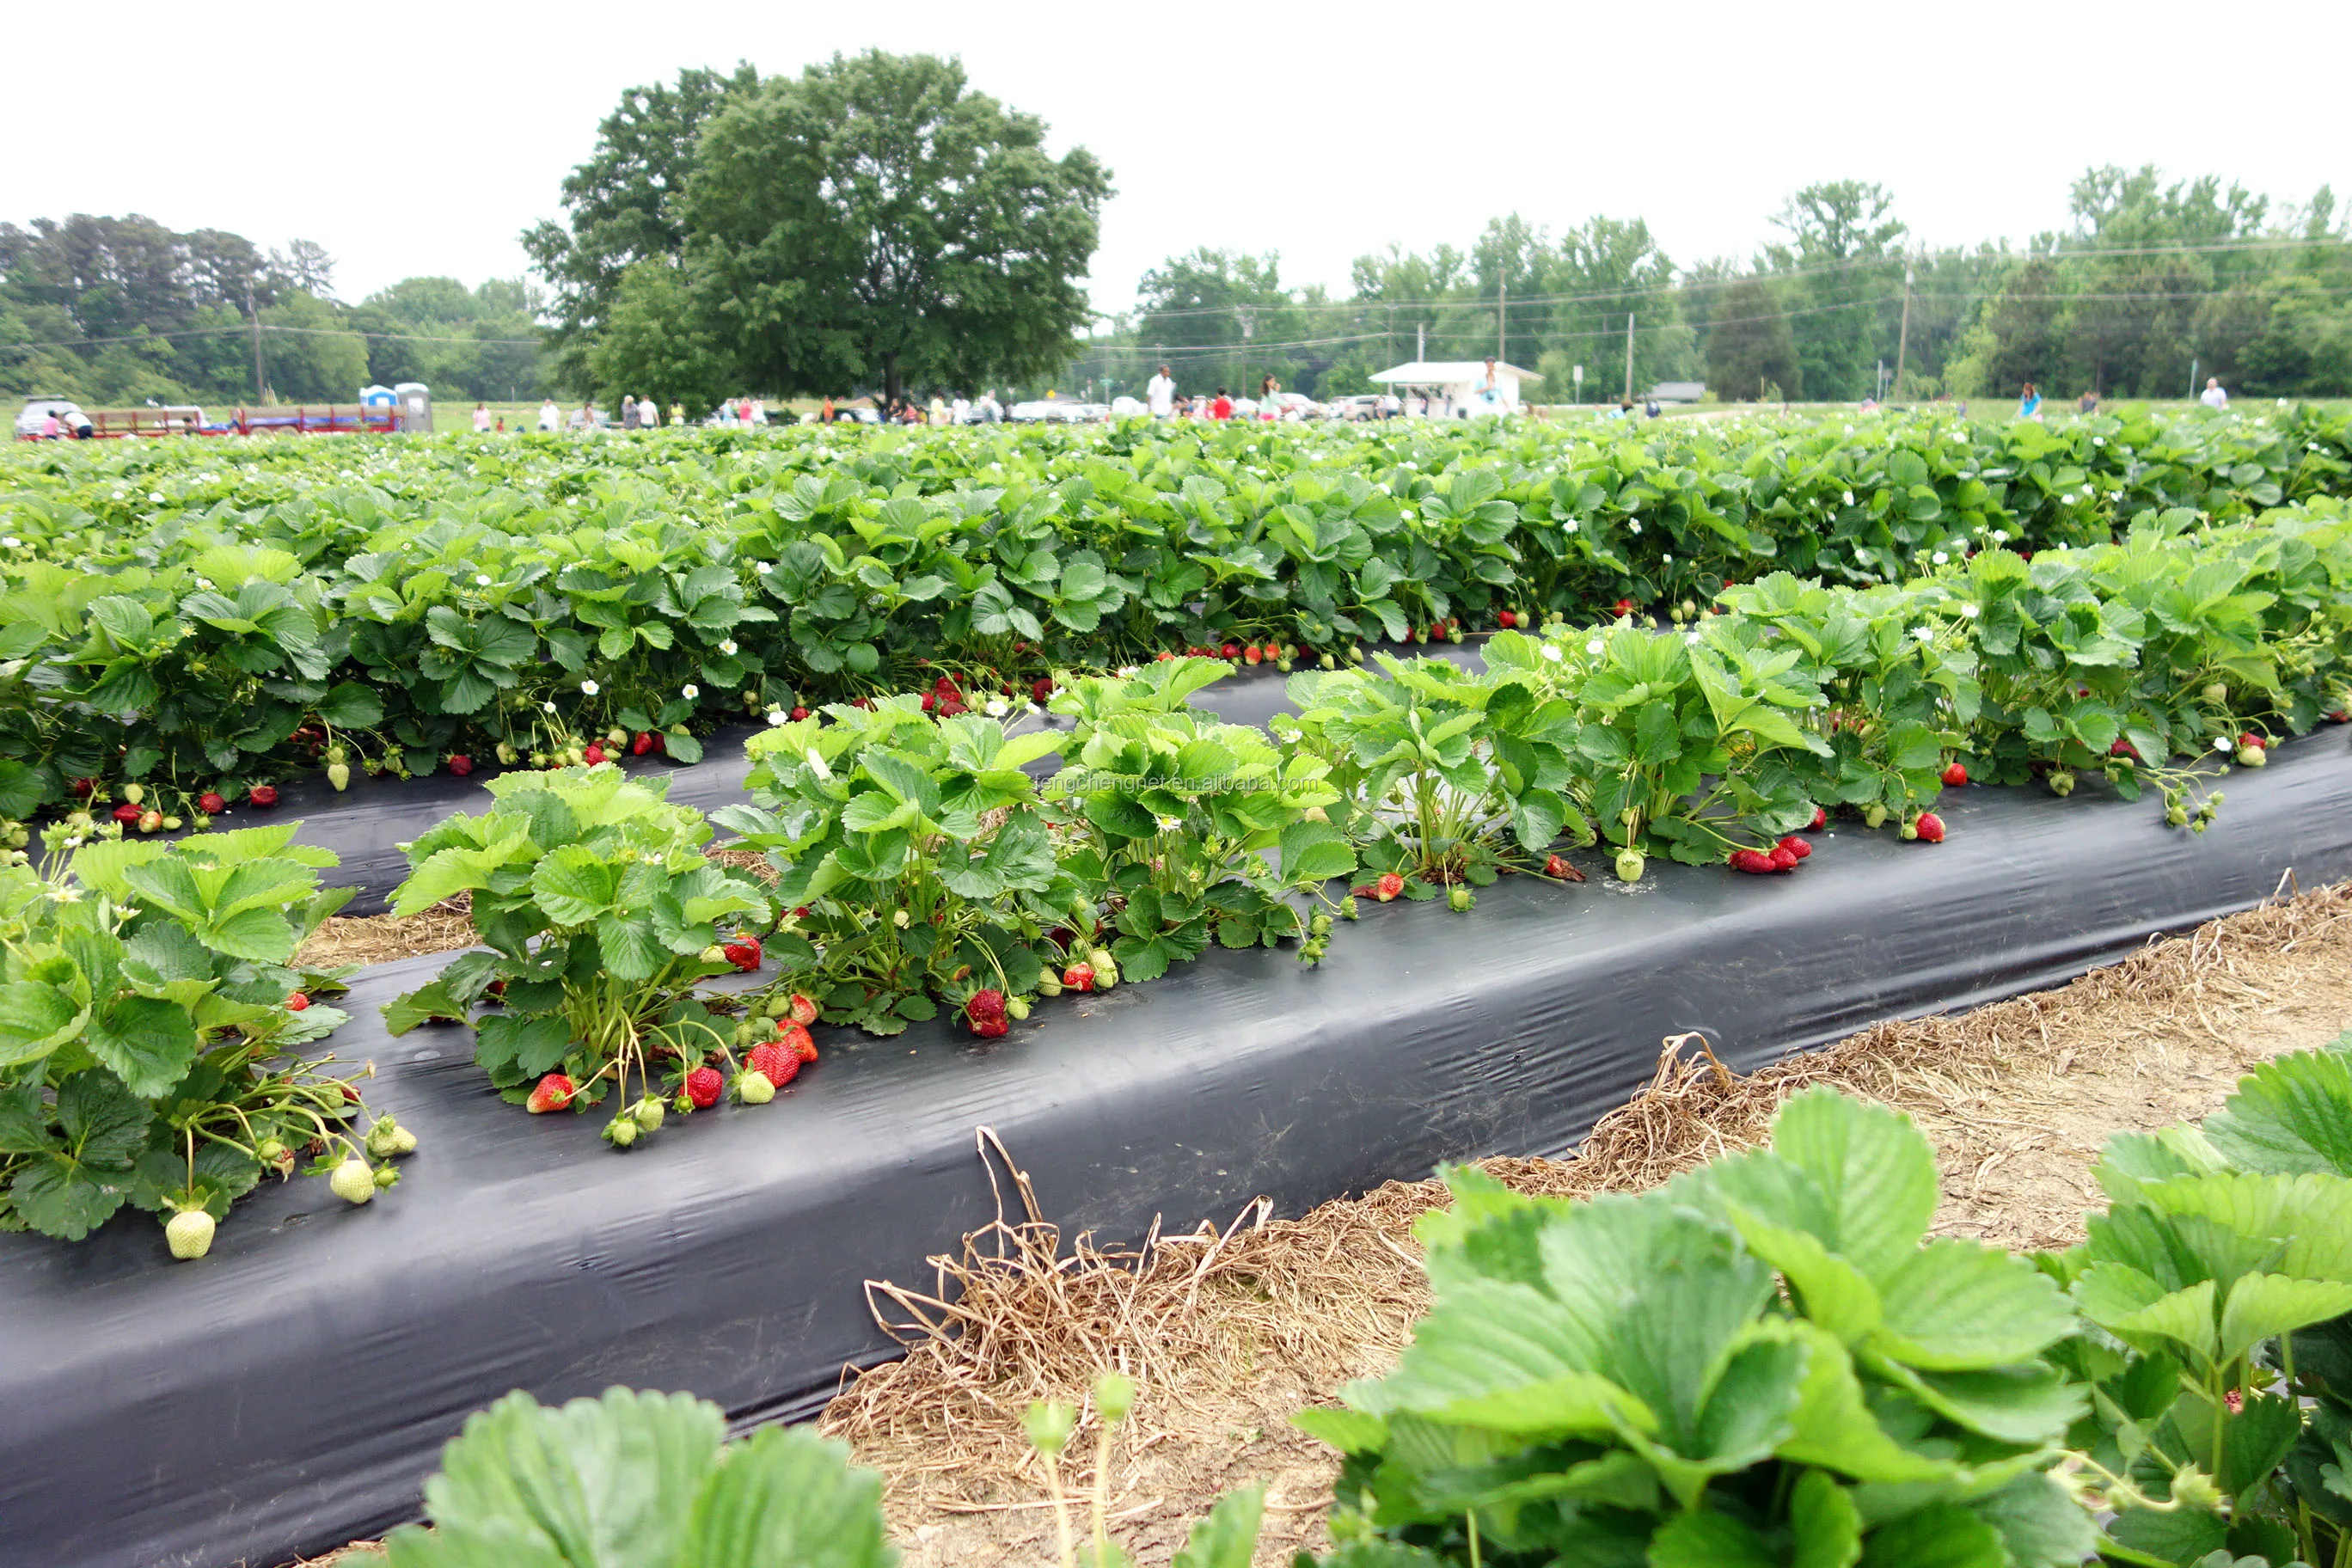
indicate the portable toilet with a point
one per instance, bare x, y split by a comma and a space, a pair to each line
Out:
379, 400
416, 408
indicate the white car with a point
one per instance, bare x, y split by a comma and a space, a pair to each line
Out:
38, 410
1030, 413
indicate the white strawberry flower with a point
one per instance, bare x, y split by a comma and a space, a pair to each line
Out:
689, 692
1849, 498
1551, 652
156, 497
1635, 525
1169, 824
726, 646
589, 687
776, 717
764, 568
1595, 648
1972, 611
2221, 743
1569, 527
1925, 634
547, 707
11, 542
1939, 558
996, 708
1666, 560
482, 579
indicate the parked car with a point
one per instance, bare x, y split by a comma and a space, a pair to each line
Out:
38, 410
1357, 405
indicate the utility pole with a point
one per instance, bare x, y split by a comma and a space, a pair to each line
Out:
1502, 315
259, 393
1903, 337
1421, 344
2192, 378
1629, 356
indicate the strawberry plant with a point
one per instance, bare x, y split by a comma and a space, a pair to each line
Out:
640, 1480
2220, 1284
600, 911
1168, 818
1445, 776
156, 1031
1765, 1362
913, 851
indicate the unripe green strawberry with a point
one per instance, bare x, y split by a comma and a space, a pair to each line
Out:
1630, 864
1049, 985
275, 1154
383, 1138
1874, 815
617, 735
1016, 1008
2216, 693
1348, 910
1458, 900
621, 1131
135, 793
506, 753
352, 1181
715, 954
335, 753
648, 1114
1910, 830
754, 1089
2060, 782
385, 1177
1106, 972
2252, 757
189, 1234
339, 775
171, 824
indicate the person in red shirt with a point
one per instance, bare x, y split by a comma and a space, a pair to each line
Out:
1223, 408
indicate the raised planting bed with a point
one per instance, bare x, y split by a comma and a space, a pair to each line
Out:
289, 1392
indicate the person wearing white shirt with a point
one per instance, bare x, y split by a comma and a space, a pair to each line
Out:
551, 417
2213, 397
1159, 395
959, 410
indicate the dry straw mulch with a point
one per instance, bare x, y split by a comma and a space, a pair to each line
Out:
1229, 1328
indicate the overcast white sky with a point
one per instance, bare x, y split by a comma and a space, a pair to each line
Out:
424, 141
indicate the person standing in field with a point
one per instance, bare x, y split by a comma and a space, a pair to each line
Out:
1268, 391
1159, 394
2087, 403
959, 410
2213, 397
1223, 408
481, 419
2029, 403
551, 417
938, 409
628, 412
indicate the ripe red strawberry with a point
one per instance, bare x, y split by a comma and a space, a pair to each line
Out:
1624, 606
81, 788
1783, 859
1820, 819
1078, 977
1251, 655
1931, 827
2338, 716
1755, 862
2122, 748
1388, 887
553, 1093
702, 1086
592, 754
211, 804
127, 813
1796, 845
1230, 650
984, 1011
795, 1039
743, 952
1558, 867
777, 1062
1162, 656
460, 763
262, 794
1955, 776
930, 702
801, 1010
2254, 740
1507, 620
641, 745
296, 1002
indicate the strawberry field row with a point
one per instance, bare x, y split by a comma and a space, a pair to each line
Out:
197, 619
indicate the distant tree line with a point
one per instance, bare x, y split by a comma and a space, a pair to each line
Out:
123, 311
2150, 280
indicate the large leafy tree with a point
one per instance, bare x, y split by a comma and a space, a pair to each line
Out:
1750, 352
875, 220
626, 205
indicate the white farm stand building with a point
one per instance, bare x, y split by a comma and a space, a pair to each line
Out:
1456, 388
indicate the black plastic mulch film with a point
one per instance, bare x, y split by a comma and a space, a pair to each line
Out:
290, 1391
